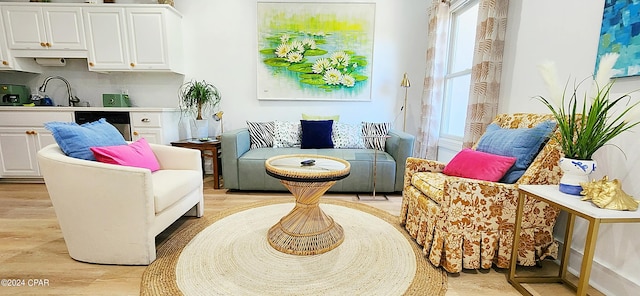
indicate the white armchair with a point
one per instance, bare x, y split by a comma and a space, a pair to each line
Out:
111, 214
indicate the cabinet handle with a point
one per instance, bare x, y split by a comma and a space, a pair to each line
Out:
5, 63
91, 64
135, 133
132, 65
31, 132
43, 44
48, 44
145, 120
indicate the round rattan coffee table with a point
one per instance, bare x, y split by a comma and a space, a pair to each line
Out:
306, 230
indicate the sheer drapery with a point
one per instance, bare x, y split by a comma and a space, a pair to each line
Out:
485, 77
433, 84
487, 69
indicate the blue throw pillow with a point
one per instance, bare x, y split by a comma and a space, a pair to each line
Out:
75, 140
522, 143
316, 134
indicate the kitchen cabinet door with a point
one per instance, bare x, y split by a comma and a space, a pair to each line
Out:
106, 38
5, 57
19, 150
134, 39
152, 135
48, 28
148, 39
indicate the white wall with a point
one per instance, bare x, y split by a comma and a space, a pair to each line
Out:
567, 33
220, 47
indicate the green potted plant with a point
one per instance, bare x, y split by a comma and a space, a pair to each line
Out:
587, 122
199, 99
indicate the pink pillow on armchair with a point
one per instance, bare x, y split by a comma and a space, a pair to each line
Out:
137, 154
478, 165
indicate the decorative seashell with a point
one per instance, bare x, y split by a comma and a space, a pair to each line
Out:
608, 195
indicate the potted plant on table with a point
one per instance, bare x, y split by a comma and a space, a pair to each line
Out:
199, 99
588, 123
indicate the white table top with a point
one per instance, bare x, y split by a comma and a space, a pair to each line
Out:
573, 202
324, 167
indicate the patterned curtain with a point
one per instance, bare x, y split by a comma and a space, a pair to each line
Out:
431, 106
487, 69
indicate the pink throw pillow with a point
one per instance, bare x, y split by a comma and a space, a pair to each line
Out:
137, 154
478, 165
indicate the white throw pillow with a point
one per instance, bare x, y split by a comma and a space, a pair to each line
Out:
287, 134
346, 135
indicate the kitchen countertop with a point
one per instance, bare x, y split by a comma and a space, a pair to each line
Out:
68, 109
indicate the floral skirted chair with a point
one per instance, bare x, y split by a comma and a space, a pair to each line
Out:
468, 223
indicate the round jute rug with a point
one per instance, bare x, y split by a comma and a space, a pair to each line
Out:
228, 254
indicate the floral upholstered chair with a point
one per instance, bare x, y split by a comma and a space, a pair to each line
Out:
468, 223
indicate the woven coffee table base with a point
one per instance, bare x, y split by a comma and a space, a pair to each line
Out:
306, 230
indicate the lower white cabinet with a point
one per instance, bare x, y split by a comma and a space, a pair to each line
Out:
22, 134
156, 127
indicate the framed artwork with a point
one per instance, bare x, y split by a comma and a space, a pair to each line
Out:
315, 51
620, 32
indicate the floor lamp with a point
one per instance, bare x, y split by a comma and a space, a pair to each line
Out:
406, 84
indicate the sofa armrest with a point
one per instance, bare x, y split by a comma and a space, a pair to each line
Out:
400, 146
234, 144
177, 158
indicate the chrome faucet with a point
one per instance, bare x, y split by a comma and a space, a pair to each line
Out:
72, 99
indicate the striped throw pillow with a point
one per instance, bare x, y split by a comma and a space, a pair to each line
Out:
375, 134
261, 134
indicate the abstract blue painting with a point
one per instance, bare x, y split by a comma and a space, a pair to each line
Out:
620, 32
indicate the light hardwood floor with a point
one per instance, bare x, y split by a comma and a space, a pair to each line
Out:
32, 248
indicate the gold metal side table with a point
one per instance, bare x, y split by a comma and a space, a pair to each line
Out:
375, 172
574, 207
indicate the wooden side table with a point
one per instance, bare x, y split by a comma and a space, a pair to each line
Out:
574, 207
213, 147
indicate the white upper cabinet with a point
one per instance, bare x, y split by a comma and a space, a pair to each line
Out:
107, 38
7, 62
134, 39
45, 28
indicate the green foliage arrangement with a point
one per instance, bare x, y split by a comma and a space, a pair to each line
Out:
198, 98
584, 129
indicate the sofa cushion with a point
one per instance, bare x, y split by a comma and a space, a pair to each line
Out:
431, 184
137, 154
375, 134
287, 134
170, 186
478, 165
347, 136
260, 134
75, 140
522, 143
251, 166
316, 134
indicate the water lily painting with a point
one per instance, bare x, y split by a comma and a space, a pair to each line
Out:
620, 33
315, 51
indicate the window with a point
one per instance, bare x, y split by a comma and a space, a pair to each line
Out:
462, 35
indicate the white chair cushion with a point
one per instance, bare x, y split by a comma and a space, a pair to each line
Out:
169, 186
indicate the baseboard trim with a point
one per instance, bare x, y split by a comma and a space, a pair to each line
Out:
603, 278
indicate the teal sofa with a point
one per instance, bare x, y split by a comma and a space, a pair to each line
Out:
243, 168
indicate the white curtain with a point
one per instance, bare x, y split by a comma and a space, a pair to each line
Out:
433, 84
485, 78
